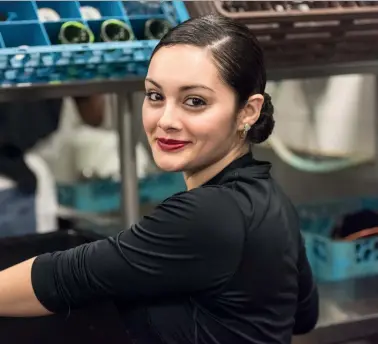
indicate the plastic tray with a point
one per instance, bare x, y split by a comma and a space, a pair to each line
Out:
30, 50
300, 33
333, 260
105, 195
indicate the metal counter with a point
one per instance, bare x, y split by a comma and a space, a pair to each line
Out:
348, 311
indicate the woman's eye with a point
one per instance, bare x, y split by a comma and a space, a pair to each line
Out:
195, 102
154, 96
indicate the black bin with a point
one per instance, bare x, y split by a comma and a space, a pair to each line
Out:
97, 324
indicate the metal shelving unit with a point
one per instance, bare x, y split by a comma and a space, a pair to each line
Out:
124, 89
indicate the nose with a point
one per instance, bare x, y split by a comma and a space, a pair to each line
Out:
169, 120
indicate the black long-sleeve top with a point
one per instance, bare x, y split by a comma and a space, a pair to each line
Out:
222, 263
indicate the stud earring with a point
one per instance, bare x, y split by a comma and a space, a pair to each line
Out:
247, 127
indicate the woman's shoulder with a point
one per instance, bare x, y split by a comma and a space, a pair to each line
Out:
202, 215
212, 196
208, 207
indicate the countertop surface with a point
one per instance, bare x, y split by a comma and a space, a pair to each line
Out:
348, 311
346, 301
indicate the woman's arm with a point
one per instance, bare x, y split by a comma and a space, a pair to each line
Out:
17, 296
180, 248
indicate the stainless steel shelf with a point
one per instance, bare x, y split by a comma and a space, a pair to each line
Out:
361, 67
70, 89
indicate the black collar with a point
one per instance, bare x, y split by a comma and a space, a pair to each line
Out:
245, 167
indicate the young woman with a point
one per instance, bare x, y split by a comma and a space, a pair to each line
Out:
223, 262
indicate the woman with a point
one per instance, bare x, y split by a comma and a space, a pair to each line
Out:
223, 262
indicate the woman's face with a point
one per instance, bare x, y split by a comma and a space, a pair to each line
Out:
188, 112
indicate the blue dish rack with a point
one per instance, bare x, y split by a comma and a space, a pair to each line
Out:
30, 51
334, 260
105, 195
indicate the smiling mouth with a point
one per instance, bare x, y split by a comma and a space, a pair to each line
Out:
170, 145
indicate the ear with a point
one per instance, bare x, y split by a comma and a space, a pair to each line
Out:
251, 111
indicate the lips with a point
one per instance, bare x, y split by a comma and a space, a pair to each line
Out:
171, 145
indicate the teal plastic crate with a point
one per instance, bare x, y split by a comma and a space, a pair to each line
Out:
30, 51
105, 195
333, 260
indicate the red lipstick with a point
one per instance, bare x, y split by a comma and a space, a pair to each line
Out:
169, 145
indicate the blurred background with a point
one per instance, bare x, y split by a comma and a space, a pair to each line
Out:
75, 165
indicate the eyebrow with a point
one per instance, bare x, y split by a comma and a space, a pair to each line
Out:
182, 88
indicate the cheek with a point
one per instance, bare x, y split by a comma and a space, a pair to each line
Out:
214, 128
149, 119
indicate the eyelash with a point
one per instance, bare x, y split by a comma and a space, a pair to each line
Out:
151, 93
203, 103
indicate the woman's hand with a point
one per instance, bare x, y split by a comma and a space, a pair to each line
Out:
17, 298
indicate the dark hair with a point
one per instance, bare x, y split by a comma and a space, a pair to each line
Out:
238, 57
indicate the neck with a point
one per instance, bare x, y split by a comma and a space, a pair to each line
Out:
195, 179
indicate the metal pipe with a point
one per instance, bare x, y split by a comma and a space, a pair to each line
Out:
127, 145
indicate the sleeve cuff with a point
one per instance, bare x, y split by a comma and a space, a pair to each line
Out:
43, 282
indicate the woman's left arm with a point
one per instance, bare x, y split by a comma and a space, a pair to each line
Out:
17, 297
191, 242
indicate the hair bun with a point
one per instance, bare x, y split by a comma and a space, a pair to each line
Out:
264, 126
267, 108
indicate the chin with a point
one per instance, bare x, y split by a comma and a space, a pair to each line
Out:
169, 163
